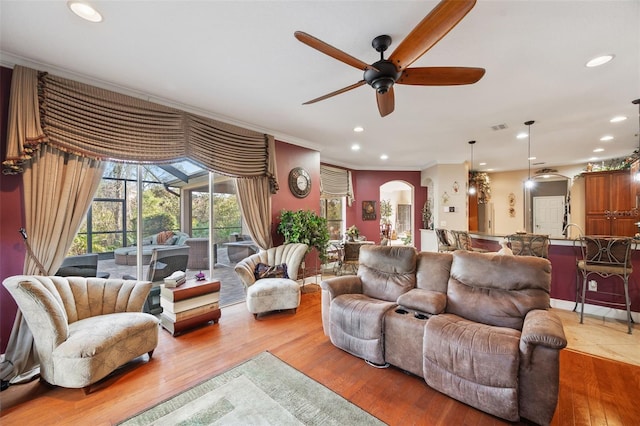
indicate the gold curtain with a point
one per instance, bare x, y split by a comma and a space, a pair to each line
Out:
58, 190
98, 123
255, 205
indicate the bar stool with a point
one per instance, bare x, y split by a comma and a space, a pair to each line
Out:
529, 245
462, 241
444, 245
606, 257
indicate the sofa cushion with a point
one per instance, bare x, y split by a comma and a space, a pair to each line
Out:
433, 270
387, 271
426, 301
98, 345
357, 325
474, 363
497, 290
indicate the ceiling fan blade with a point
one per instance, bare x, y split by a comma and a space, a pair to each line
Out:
335, 53
440, 76
386, 102
337, 92
429, 31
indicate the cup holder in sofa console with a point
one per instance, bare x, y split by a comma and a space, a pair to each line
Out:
420, 316
401, 311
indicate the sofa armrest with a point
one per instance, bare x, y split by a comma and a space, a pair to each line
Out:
544, 328
347, 284
426, 301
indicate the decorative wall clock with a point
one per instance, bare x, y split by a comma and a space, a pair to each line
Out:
299, 182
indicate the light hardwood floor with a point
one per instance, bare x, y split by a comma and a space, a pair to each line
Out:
593, 390
601, 336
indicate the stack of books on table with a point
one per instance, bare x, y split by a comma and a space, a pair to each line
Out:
192, 304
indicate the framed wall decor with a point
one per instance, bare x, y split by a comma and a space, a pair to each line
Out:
368, 210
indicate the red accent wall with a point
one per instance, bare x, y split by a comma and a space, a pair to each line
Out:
289, 156
12, 251
366, 186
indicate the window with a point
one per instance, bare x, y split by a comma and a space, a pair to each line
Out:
333, 210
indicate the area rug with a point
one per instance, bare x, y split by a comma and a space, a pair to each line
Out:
261, 391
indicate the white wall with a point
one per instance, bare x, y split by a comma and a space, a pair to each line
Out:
513, 182
442, 177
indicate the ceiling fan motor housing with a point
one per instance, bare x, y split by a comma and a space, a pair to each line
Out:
383, 77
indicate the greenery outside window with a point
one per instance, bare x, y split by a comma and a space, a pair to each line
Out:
332, 209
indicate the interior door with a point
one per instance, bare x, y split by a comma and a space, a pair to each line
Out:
404, 218
548, 215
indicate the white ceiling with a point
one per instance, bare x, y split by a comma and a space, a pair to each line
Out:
238, 61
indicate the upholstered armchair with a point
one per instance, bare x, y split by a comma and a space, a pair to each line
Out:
277, 291
84, 328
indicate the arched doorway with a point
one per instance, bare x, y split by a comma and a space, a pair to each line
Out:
397, 217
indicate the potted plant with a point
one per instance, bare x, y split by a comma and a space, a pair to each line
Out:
305, 226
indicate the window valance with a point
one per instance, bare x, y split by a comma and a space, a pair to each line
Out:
99, 123
335, 183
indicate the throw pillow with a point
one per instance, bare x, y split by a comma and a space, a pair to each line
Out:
266, 271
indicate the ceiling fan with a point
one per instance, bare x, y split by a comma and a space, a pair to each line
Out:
382, 75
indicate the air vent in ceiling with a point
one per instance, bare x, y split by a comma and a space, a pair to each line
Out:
539, 163
499, 127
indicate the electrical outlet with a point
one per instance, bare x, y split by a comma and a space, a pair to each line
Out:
593, 285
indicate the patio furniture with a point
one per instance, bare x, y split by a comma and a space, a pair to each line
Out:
199, 253
129, 255
82, 265
164, 262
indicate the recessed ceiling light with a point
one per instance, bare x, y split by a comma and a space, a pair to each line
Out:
522, 135
618, 119
384, 157
598, 150
593, 158
355, 147
482, 164
358, 129
531, 158
606, 138
490, 170
85, 11
599, 60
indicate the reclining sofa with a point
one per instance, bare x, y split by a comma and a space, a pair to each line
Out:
475, 326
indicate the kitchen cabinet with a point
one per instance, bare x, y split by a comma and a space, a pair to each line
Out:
610, 201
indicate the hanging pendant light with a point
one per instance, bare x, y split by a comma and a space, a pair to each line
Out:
472, 184
529, 183
637, 102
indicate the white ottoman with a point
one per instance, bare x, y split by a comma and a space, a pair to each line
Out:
273, 294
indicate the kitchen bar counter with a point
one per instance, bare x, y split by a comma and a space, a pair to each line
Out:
563, 254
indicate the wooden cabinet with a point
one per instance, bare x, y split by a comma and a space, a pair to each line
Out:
610, 200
